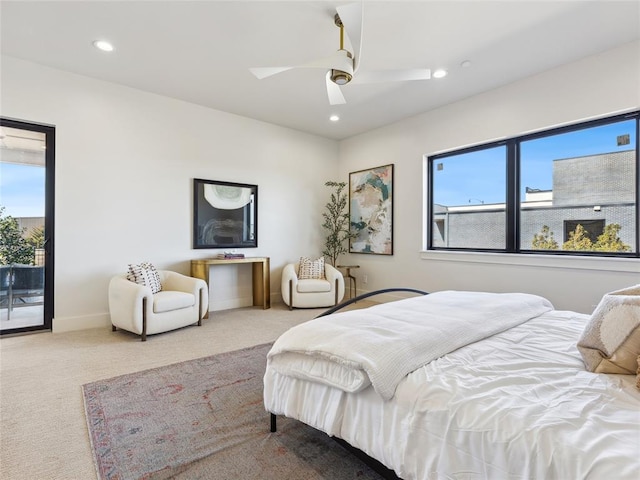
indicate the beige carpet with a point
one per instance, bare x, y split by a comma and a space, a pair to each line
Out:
43, 433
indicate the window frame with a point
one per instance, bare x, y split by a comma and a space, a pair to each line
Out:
512, 197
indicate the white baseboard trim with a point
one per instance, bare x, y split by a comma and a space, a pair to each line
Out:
69, 324
385, 297
226, 304
103, 320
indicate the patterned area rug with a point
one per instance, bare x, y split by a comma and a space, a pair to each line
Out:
205, 419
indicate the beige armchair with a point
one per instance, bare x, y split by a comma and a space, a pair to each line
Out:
133, 307
311, 293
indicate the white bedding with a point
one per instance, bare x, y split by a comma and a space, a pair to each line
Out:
394, 339
517, 405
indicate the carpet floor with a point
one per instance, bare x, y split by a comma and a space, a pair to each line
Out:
205, 419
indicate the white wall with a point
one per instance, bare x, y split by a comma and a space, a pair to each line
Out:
602, 84
125, 161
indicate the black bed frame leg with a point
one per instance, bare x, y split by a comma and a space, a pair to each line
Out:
273, 423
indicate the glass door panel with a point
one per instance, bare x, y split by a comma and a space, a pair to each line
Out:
25, 296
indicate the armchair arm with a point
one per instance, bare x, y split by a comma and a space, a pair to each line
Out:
183, 283
125, 303
332, 274
289, 274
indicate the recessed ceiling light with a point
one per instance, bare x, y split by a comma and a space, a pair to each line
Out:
440, 73
465, 64
103, 45
334, 118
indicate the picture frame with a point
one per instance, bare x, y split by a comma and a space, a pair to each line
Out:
371, 210
225, 214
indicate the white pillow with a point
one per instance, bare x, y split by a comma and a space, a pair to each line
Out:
145, 274
610, 343
311, 269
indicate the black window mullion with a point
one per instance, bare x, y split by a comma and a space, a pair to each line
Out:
430, 212
512, 207
636, 115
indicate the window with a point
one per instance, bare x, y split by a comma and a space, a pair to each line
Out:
568, 190
469, 199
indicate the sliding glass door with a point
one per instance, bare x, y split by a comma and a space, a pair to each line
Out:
27, 155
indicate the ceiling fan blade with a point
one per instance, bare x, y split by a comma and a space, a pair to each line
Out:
352, 16
264, 72
381, 76
338, 60
334, 92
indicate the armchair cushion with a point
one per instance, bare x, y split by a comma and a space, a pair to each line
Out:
166, 301
312, 285
145, 274
311, 269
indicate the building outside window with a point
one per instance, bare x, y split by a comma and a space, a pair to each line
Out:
470, 196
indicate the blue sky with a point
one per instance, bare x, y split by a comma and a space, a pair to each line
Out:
22, 190
479, 177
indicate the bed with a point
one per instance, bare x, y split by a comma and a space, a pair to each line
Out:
511, 399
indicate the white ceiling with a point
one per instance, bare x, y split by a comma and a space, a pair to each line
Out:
200, 51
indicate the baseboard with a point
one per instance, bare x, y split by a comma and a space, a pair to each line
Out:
385, 297
69, 324
226, 304
103, 320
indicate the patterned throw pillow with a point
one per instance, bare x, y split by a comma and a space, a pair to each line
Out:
145, 274
610, 342
311, 269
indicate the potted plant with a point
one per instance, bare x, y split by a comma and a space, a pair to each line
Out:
336, 223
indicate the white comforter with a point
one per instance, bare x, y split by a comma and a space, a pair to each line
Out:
395, 339
518, 405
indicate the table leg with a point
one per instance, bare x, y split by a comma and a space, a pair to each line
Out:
355, 287
261, 284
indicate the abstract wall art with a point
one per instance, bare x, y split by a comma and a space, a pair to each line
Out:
371, 210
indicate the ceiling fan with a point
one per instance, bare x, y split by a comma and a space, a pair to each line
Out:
343, 65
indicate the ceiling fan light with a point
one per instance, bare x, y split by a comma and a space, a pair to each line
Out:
339, 77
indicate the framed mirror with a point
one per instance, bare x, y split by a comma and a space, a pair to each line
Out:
225, 214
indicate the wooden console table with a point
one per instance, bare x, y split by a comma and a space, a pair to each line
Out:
260, 269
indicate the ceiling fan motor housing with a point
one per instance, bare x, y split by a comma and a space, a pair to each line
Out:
344, 71
339, 77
